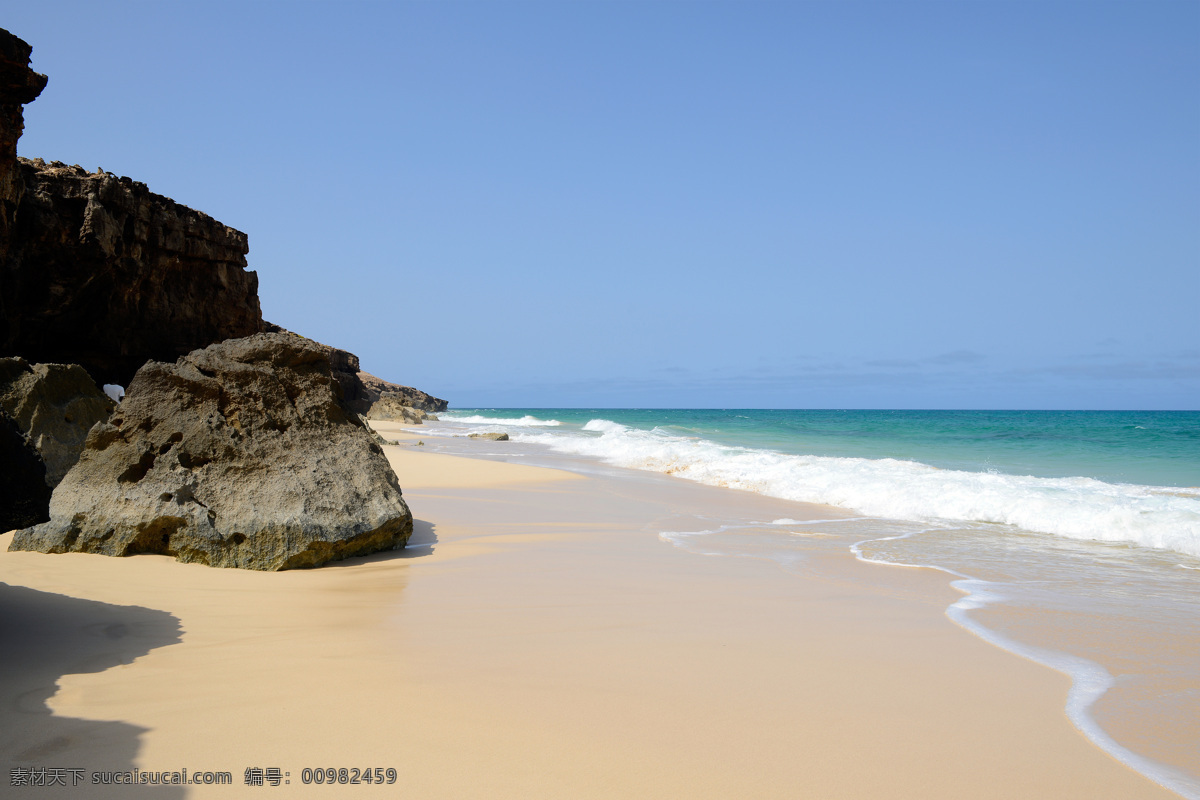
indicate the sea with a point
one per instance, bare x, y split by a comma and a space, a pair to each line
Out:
1074, 536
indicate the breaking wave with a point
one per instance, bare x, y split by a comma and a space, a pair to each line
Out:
523, 422
1077, 508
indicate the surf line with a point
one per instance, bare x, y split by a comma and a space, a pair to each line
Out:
1089, 680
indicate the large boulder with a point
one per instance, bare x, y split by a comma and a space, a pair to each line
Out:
24, 495
238, 455
493, 436
55, 405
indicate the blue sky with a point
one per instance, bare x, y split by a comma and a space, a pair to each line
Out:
679, 204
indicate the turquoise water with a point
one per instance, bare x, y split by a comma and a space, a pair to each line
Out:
1160, 448
1089, 475
1075, 535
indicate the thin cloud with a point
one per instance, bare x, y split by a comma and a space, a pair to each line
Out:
957, 357
1119, 371
892, 363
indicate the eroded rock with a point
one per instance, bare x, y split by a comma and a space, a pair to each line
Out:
392, 408
24, 495
237, 455
100, 271
55, 405
375, 388
18, 85
361, 390
495, 437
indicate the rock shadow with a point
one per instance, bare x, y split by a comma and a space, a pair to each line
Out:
421, 543
44, 636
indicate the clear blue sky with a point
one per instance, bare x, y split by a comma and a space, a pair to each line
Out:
680, 204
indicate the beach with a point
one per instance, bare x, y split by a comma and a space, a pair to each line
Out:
543, 635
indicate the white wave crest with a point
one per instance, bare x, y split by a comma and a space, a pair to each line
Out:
1078, 508
524, 422
605, 426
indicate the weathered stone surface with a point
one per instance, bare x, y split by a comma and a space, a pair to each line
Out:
361, 390
24, 495
18, 85
495, 437
238, 455
55, 405
96, 270
101, 272
375, 388
345, 369
392, 408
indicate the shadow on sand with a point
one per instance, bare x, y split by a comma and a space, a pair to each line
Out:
421, 543
44, 636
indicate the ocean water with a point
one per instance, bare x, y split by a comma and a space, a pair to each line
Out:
1074, 535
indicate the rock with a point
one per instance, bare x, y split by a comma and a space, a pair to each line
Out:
55, 405
18, 85
101, 272
495, 437
362, 390
375, 435
24, 495
375, 388
97, 270
392, 408
237, 455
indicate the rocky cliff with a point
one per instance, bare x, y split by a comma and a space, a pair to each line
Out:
18, 85
102, 272
249, 453
373, 389
392, 408
96, 269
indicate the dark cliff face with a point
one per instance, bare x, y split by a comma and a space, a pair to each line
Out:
18, 85
99, 271
102, 272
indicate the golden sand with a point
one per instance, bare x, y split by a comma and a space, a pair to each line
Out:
537, 640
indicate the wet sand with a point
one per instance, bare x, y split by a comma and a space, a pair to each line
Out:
538, 639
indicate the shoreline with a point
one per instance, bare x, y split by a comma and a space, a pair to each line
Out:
1119, 621
539, 639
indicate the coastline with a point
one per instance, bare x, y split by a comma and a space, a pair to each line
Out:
538, 638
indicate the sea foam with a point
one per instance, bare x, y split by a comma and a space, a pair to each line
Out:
522, 422
1078, 508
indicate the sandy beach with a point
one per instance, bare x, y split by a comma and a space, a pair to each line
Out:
537, 639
